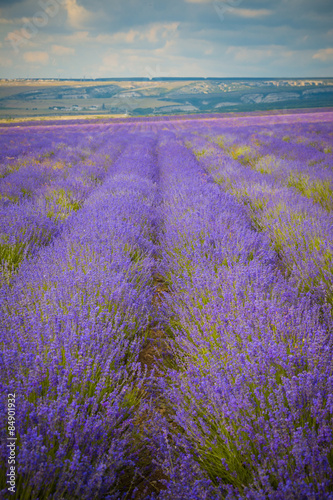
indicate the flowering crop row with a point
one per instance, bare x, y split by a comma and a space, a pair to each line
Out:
151, 229
303, 167
72, 327
25, 145
22, 177
56, 191
249, 389
300, 230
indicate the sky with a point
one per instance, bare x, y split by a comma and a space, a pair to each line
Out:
166, 38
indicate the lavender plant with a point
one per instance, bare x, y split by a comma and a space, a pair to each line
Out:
72, 325
242, 397
213, 231
31, 223
300, 230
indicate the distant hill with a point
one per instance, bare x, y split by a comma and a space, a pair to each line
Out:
40, 97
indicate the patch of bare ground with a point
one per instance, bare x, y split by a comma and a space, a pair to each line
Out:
152, 357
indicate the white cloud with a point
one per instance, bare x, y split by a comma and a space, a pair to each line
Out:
199, 1
110, 64
126, 62
166, 50
153, 34
164, 30
123, 62
251, 13
290, 53
18, 39
78, 37
224, 6
36, 57
5, 21
324, 55
249, 55
77, 14
121, 37
60, 50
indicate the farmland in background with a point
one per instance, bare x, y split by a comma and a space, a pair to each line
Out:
29, 98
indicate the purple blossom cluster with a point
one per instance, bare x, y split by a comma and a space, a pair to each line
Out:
249, 391
187, 230
73, 322
40, 197
300, 229
289, 155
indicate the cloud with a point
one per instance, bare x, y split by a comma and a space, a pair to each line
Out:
122, 38
158, 31
60, 50
77, 14
36, 57
111, 65
19, 38
78, 37
324, 55
249, 55
251, 13
5, 21
153, 33
230, 6
198, 1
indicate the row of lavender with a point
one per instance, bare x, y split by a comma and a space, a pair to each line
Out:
39, 197
19, 146
299, 157
300, 229
73, 322
246, 389
21, 175
249, 388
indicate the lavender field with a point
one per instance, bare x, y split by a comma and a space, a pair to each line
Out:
166, 308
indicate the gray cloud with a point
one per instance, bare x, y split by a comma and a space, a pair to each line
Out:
182, 36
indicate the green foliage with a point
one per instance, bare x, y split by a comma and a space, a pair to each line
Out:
62, 204
220, 457
27, 193
200, 153
95, 180
14, 167
320, 191
221, 141
11, 254
266, 164
244, 154
49, 154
